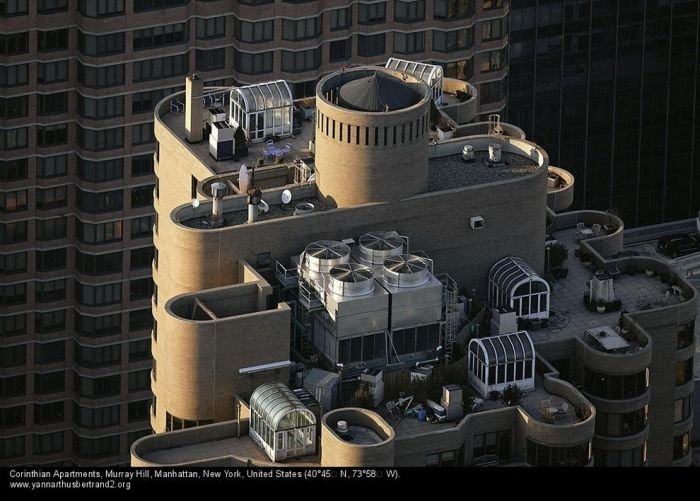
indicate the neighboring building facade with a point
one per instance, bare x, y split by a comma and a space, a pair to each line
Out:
610, 89
220, 332
78, 83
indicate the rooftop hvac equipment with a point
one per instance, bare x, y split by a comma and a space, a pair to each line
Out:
406, 270
494, 153
218, 191
322, 255
303, 208
351, 279
468, 153
377, 246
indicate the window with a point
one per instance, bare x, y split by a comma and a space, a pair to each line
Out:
16, 43
451, 41
453, 9
14, 325
51, 321
102, 45
301, 29
492, 30
53, 72
103, 76
101, 417
142, 196
340, 50
105, 201
12, 447
51, 135
49, 413
409, 43
245, 31
99, 233
52, 290
142, 227
48, 443
145, 102
52, 104
13, 107
142, 165
209, 60
48, 353
50, 260
544, 455
686, 335
13, 294
97, 447
13, 356
491, 92
615, 387
13, 139
51, 198
13, 7
101, 171
142, 258
140, 289
215, 27
681, 446
164, 67
101, 356
492, 4
13, 170
138, 411
98, 264
140, 320
100, 140
11, 417
106, 325
12, 76
492, 61
48, 41
255, 2
370, 45
51, 229
682, 409
13, 201
98, 387
684, 371
98, 295
621, 424
55, 166
160, 36
13, 263
371, 13
140, 380
143, 5
100, 8
303, 60
52, 382
409, 12
12, 233
99, 109
14, 386
252, 64
142, 134
139, 350
51, 6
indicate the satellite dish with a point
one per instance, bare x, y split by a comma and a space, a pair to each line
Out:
195, 203
243, 179
286, 197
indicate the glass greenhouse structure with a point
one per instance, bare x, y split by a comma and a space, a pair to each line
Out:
513, 284
497, 361
263, 110
280, 424
429, 73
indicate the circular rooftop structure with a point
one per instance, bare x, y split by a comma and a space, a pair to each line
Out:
377, 92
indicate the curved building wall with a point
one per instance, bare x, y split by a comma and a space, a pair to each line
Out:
337, 452
364, 157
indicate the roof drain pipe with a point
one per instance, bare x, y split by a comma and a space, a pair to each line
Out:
218, 192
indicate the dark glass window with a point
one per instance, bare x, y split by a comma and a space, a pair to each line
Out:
100, 171
13, 356
51, 166
13, 139
51, 321
105, 201
49, 353
48, 41
142, 196
101, 356
102, 45
409, 12
145, 102
51, 198
140, 320
371, 13
682, 409
15, 43
51, 135
48, 443
12, 233
141, 288
452, 41
686, 334
13, 263
303, 60
101, 139
13, 386
50, 291
98, 295
54, 259
615, 387
143, 5
340, 50
13, 170
90, 417
12, 447
214, 27
13, 201
210, 60
12, 76
49, 413
56, 71
142, 134
11, 417
371, 45
52, 382
13, 325
14, 107
142, 258
164, 67
51, 6
100, 8
453, 9
142, 227
141, 165
98, 387
108, 107
139, 350
138, 411
139, 380
13, 294
409, 43
98, 264
13, 8
102, 76
96, 447
544, 455
341, 19
51, 229
301, 29
99, 233
106, 325
492, 30
252, 64
681, 446
492, 61
160, 36
684, 371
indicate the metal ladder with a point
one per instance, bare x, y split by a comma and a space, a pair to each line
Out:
448, 326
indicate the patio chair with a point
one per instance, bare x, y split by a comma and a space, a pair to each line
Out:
564, 408
596, 229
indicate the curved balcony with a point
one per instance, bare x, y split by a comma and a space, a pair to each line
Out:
560, 189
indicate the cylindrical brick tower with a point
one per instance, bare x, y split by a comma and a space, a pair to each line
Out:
372, 128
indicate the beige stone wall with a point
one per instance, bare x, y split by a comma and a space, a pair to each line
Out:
337, 452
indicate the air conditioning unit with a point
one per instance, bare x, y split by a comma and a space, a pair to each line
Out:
476, 222
494, 153
468, 153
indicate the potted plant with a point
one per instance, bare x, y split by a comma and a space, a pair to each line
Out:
649, 272
558, 253
444, 129
512, 395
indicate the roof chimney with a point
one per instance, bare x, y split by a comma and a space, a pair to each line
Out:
194, 87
